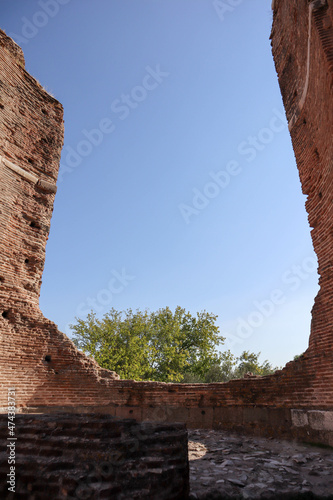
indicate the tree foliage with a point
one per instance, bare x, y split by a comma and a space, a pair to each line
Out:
249, 362
143, 345
164, 346
231, 367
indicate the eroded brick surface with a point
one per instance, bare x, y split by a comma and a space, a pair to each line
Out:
31, 138
94, 457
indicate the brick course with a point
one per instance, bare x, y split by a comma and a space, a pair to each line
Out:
95, 456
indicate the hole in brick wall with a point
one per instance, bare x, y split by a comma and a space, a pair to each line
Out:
1, 106
26, 261
131, 411
30, 160
304, 121
29, 286
316, 153
203, 412
2, 279
48, 358
28, 218
5, 314
320, 195
106, 469
44, 112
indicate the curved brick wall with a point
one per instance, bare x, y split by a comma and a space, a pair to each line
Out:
296, 401
306, 79
31, 138
303, 53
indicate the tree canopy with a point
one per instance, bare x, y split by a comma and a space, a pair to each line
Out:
163, 346
231, 367
143, 345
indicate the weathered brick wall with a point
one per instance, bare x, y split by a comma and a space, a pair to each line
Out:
302, 42
31, 138
94, 456
303, 54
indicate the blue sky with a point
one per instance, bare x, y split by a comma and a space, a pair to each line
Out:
178, 183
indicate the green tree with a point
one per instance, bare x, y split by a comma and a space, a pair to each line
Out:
249, 362
230, 367
161, 345
224, 370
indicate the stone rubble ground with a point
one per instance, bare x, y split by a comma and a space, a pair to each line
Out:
224, 465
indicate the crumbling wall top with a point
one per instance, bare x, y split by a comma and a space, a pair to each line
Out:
8, 43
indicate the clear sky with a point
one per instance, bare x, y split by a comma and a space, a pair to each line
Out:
178, 183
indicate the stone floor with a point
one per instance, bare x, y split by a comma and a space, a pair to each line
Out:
223, 465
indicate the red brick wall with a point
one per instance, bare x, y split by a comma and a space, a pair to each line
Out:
31, 138
94, 457
304, 63
72, 380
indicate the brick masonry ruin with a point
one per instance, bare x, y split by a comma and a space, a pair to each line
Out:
94, 456
49, 373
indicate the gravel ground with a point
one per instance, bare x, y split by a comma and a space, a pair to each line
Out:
224, 465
